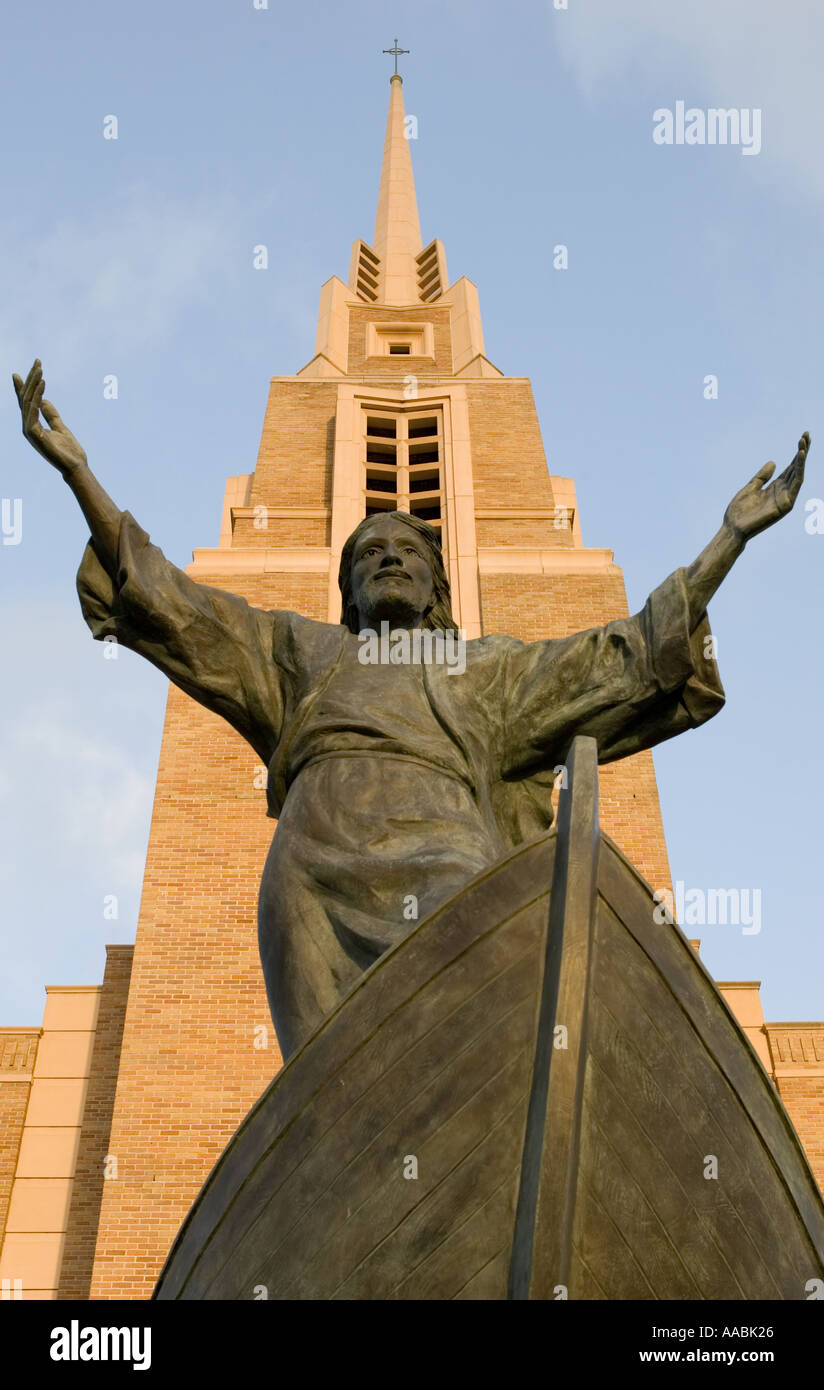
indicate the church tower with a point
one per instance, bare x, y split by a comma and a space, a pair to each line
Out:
398, 408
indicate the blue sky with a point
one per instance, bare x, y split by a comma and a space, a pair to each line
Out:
239, 126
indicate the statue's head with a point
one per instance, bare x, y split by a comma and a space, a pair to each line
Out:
391, 568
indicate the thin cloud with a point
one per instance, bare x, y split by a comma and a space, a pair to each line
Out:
92, 803
122, 281
744, 53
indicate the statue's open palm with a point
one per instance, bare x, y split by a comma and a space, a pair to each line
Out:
756, 507
56, 443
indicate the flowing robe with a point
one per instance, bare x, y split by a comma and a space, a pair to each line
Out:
393, 785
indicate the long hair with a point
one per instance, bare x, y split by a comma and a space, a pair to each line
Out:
439, 614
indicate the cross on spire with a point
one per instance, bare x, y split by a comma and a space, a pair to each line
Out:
397, 52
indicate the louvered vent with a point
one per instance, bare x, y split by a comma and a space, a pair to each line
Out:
403, 463
367, 271
431, 271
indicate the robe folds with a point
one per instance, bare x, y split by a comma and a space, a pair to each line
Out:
393, 785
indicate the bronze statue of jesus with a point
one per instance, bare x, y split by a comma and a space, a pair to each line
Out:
395, 783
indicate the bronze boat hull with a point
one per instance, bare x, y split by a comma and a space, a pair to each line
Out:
522, 1100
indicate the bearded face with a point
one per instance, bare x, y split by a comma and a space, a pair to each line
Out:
391, 575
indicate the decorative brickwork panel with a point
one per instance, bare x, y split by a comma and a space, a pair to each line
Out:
399, 367
18, 1050
797, 1045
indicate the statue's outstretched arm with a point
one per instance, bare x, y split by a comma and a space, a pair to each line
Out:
57, 444
751, 510
213, 644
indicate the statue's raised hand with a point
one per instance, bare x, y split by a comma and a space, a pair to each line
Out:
56, 443
756, 507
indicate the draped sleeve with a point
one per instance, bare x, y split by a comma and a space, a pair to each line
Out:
631, 684
213, 645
